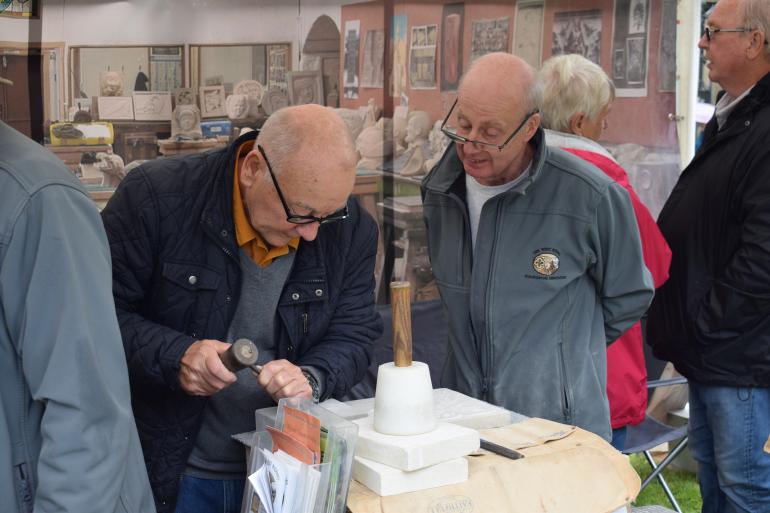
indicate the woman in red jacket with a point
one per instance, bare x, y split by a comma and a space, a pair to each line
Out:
577, 97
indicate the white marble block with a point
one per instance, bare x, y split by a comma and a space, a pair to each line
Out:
450, 406
384, 480
446, 442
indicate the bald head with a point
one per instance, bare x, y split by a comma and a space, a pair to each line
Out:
310, 140
503, 76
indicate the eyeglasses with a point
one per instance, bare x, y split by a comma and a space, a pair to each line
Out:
296, 218
453, 135
710, 31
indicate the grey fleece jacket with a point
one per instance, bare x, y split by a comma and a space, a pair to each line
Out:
68, 442
556, 275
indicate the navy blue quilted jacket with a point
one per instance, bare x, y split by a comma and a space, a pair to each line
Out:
169, 221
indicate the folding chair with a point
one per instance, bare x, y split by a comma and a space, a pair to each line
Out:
651, 433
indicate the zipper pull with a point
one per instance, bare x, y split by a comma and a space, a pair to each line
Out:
304, 323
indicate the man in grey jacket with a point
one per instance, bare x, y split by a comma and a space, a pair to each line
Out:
68, 442
536, 254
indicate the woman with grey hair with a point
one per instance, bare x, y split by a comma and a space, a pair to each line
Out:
576, 99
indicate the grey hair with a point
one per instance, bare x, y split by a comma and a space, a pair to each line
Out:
756, 15
287, 137
570, 84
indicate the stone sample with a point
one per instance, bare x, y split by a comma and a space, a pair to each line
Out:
446, 442
384, 480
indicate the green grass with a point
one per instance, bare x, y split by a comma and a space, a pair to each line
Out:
684, 486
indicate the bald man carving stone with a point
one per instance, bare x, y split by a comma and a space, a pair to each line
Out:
260, 240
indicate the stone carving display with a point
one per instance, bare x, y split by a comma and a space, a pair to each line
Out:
400, 119
186, 122
273, 100
353, 120
254, 92
438, 145
251, 88
372, 112
111, 83
237, 106
111, 166
152, 106
115, 107
418, 128
184, 96
415, 165
212, 101
374, 144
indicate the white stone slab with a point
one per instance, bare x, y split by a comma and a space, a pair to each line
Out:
446, 442
452, 407
343, 410
457, 408
384, 480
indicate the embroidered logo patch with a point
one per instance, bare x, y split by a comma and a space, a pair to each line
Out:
545, 263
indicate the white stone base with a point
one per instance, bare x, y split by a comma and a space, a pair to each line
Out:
446, 442
384, 480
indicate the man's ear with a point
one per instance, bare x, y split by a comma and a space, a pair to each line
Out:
251, 167
576, 123
756, 45
532, 125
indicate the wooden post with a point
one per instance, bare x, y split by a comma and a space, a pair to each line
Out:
400, 303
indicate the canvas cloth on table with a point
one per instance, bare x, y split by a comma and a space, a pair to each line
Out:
565, 470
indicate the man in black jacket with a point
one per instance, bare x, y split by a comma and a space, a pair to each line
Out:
257, 241
712, 318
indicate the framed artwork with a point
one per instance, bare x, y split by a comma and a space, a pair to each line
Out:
305, 87
528, 33
398, 54
278, 65
352, 43
184, 96
578, 32
619, 64
629, 66
374, 52
667, 48
451, 46
635, 65
422, 57
212, 100
19, 8
115, 107
637, 16
152, 106
489, 36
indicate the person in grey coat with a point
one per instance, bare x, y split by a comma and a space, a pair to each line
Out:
536, 254
68, 442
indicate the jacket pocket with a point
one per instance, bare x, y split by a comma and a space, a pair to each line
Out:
189, 292
191, 276
23, 486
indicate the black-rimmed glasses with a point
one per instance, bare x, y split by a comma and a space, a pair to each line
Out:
297, 218
710, 31
453, 135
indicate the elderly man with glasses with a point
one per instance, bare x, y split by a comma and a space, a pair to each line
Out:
536, 254
213, 247
712, 317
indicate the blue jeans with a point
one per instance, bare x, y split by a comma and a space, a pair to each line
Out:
619, 438
198, 495
728, 430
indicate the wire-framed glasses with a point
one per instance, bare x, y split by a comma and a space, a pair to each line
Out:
339, 215
451, 131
